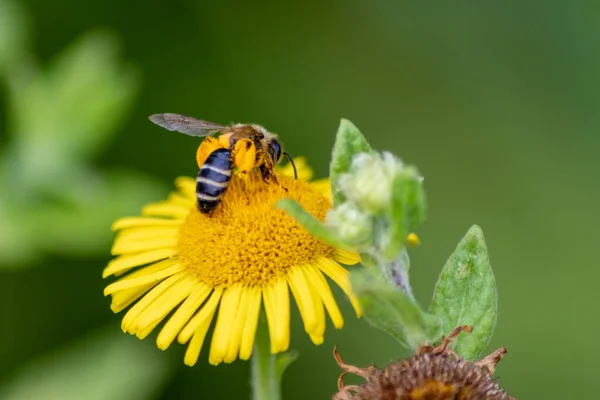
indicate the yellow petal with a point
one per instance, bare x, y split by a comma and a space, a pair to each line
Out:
309, 304
143, 333
147, 232
163, 305
141, 305
320, 285
202, 317
277, 308
131, 222
124, 263
124, 299
237, 328
137, 246
186, 186
304, 170
323, 186
133, 282
183, 314
165, 209
202, 323
249, 333
225, 321
346, 257
180, 200
316, 338
340, 276
193, 351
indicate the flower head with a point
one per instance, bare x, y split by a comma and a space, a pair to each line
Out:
245, 256
434, 373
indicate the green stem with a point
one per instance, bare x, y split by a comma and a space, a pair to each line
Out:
265, 384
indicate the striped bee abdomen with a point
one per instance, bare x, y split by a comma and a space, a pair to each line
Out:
213, 179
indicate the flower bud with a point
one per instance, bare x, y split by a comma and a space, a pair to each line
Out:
352, 225
370, 179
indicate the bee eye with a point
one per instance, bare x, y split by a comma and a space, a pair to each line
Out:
275, 150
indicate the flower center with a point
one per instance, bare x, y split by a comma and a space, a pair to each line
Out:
246, 240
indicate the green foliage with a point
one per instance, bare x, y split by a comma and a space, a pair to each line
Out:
105, 366
60, 116
379, 192
407, 210
282, 362
348, 142
13, 33
393, 311
81, 225
310, 223
378, 201
465, 294
67, 113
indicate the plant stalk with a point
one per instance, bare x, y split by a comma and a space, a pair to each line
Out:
265, 385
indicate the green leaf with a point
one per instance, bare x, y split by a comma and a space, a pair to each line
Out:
393, 311
14, 33
105, 366
407, 211
282, 362
68, 112
465, 294
311, 224
348, 142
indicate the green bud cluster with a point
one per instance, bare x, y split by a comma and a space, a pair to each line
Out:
378, 203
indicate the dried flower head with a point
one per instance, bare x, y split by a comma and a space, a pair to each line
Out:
433, 373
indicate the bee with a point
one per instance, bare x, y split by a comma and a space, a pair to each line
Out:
215, 174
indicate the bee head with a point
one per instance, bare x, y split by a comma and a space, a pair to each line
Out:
275, 151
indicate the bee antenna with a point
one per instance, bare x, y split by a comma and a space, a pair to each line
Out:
291, 162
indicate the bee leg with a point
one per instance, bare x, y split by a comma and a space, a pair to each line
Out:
244, 155
268, 175
207, 146
277, 182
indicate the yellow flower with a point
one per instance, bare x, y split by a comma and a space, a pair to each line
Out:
247, 254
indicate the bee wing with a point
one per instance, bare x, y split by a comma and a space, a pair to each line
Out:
187, 125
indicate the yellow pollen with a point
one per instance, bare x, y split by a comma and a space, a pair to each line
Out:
246, 240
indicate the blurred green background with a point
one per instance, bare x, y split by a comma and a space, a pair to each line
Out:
497, 103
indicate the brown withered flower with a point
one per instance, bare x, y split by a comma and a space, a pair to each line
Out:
433, 373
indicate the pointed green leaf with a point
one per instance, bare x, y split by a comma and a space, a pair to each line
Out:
465, 294
348, 142
391, 310
282, 362
311, 224
407, 211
